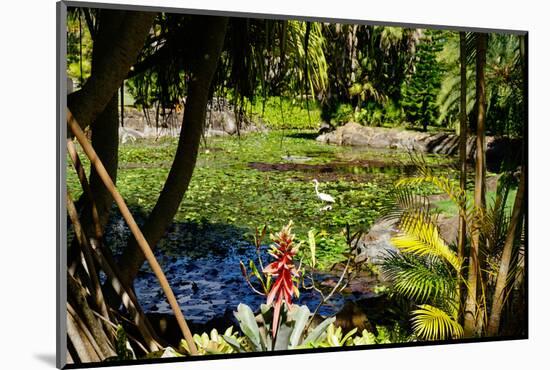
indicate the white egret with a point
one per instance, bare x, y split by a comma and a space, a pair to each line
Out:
324, 197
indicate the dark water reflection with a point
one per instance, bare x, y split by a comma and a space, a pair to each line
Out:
357, 167
206, 287
201, 262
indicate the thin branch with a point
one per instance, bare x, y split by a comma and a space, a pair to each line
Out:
326, 298
85, 247
114, 326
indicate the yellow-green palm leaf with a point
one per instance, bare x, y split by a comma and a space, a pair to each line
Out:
419, 235
432, 323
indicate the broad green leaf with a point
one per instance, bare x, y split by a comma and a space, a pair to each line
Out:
319, 330
233, 343
300, 320
249, 326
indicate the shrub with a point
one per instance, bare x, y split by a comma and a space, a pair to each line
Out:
342, 115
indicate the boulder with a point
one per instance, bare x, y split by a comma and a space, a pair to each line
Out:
374, 246
222, 121
325, 128
448, 229
126, 134
354, 134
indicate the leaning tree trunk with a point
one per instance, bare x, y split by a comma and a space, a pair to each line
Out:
119, 40
506, 259
210, 33
472, 313
105, 142
463, 160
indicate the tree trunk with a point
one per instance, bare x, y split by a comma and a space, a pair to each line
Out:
463, 160
471, 314
104, 133
210, 33
120, 46
505, 261
76, 298
498, 296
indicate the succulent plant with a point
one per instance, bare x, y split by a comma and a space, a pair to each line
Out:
334, 337
292, 332
213, 343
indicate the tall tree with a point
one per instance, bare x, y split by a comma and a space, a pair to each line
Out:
502, 282
472, 311
96, 103
104, 128
419, 92
462, 151
210, 34
117, 44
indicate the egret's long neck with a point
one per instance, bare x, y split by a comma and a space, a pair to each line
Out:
317, 188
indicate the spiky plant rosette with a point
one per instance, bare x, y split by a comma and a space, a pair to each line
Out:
283, 270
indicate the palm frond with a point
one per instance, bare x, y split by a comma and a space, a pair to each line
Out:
423, 280
401, 200
313, 57
432, 323
448, 98
494, 223
419, 235
444, 184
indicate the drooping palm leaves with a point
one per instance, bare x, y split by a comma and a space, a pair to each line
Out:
420, 236
428, 271
432, 323
307, 44
419, 278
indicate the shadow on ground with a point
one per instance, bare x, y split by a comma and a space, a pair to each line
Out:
46, 358
303, 135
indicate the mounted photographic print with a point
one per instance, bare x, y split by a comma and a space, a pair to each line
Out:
233, 185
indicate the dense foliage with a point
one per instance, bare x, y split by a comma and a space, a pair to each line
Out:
419, 91
295, 74
197, 195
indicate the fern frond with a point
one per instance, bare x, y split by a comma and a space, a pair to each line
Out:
432, 323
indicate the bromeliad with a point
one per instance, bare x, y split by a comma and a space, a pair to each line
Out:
284, 272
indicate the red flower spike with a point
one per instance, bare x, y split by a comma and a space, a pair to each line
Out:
283, 270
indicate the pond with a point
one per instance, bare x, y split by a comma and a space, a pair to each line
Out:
240, 184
